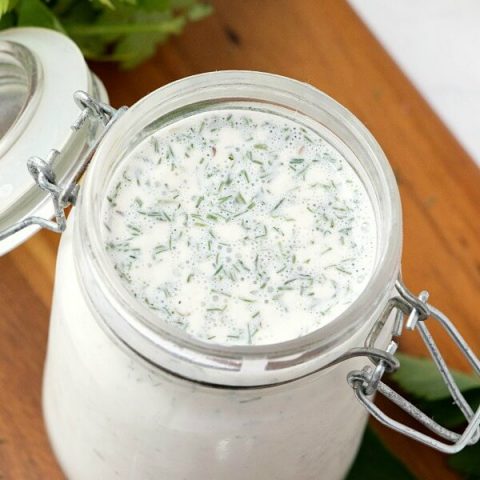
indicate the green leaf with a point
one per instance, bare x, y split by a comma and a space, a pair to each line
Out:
375, 462
155, 5
136, 48
4, 4
420, 377
446, 412
140, 43
125, 31
127, 34
77, 12
60, 7
163, 28
107, 3
467, 462
7, 20
36, 13
199, 11
84, 13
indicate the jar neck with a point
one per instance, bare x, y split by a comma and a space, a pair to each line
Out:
173, 350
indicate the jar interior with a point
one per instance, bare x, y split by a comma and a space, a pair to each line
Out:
263, 278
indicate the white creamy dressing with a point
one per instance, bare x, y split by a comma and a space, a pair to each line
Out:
240, 227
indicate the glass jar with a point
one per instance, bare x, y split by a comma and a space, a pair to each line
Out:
127, 397
124, 397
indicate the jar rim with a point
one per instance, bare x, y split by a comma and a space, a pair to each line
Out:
240, 365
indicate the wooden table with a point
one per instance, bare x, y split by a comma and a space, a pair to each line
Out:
324, 43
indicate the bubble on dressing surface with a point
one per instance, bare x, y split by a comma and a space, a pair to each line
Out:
240, 227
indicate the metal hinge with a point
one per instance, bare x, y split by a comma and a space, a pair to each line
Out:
367, 381
43, 173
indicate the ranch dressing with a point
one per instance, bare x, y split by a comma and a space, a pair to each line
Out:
240, 227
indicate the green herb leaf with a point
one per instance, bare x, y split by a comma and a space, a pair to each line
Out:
446, 412
375, 462
420, 377
467, 462
7, 20
199, 11
36, 13
124, 31
6, 6
106, 3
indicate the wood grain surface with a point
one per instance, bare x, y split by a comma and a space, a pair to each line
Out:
325, 44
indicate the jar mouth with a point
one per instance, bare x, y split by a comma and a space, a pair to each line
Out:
19, 90
241, 365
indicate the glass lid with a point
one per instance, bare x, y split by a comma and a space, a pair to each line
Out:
39, 71
19, 92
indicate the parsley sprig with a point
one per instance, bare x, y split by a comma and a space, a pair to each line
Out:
124, 31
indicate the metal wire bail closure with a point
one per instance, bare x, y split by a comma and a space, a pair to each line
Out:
42, 172
367, 381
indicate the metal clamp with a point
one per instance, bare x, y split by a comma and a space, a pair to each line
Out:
43, 173
367, 381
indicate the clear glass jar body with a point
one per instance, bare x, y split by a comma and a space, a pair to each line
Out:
125, 400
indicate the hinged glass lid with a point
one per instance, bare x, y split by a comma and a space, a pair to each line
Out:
20, 77
39, 72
